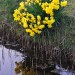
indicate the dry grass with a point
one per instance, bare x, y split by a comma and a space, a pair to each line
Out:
70, 9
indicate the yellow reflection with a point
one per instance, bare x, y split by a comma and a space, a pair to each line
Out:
24, 71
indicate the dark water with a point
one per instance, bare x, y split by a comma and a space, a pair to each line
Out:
7, 60
8, 57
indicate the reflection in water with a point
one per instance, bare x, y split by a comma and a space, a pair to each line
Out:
11, 64
30, 71
7, 60
24, 71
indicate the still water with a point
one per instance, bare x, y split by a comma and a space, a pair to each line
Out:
8, 57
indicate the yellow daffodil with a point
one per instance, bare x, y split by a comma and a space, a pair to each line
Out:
50, 26
38, 17
28, 30
25, 25
56, 7
55, 1
32, 33
39, 32
41, 27
34, 21
63, 4
22, 4
46, 18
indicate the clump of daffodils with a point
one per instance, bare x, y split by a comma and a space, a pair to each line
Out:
35, 15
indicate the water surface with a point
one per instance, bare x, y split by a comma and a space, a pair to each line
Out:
8, 57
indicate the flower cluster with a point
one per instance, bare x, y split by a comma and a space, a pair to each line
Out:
35, 15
